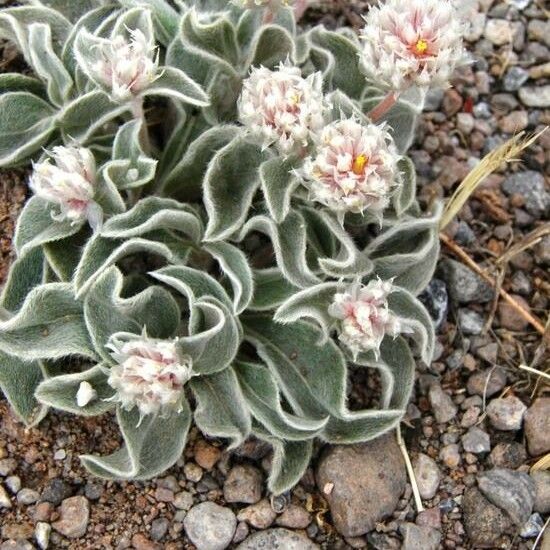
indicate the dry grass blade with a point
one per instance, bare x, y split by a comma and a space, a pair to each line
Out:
410, 471
542, 464
531, 239
507, 152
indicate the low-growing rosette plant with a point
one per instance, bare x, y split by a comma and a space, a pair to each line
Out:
222, 222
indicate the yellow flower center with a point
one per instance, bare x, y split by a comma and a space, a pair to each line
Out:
421, 46
359, 164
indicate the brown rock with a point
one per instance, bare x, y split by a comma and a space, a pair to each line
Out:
452, 102
484, 522
509, 317
141, 542
16, 531
75, 514
362, 483
515, 122
206, 455
260, 515
294, 517
243, 484
537, 426
508, 455
488, 382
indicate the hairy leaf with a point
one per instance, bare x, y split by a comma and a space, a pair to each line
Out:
150, 446
221, 409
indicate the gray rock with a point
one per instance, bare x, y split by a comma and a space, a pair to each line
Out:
183, 500
442, 405
486, 382
27, 496
7, 466
362, 483
515, 78
436, 300
499, 31
541, 479
20, 544
463, 284
476, 441
5, 501
260, 515
535, 96
380, 541
508, 455
419, 537
13, 483
159, 527
55, 491
42, 532
75, 514
532, 527
243, 484
530, 185
506, 413
210, 526
484, 522
511, 491
93, 490
277, 539
470, 321
433, 100
427, 475
537, 426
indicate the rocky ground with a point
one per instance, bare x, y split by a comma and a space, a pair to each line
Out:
477, 423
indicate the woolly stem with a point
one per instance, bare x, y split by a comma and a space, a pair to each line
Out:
139, 114
384, 106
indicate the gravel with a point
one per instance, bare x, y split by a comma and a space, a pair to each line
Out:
210, 526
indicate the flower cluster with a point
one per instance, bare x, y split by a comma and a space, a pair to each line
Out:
69, 183
150, 374
412, 42
354, 167
126, 67
281, 107
364, 316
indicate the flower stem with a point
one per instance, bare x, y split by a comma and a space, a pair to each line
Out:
384, 106
139, 114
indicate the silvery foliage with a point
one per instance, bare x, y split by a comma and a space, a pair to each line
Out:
207, 237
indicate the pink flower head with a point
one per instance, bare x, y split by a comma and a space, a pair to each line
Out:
364, 317
70, 183
354, 167
150, 374
281, 107
412, 42
126, 67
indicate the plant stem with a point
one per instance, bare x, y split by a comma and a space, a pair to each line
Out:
384, 106
139, 114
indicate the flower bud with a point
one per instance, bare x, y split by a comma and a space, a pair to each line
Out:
281, 107
126, 67
364, 317
150, 374
354, 167
410, 42
70, 183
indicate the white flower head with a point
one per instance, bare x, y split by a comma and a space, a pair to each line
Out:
281, 107
125, 66
364, 317
150, 374
354, 167
68, 182
412, 42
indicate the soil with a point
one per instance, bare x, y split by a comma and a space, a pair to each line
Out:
123, 515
